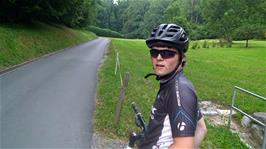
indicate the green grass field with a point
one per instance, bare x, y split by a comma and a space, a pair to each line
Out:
213, 71
19, 43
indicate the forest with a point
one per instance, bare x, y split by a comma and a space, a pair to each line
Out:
202, 19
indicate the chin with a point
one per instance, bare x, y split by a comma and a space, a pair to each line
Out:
160, 73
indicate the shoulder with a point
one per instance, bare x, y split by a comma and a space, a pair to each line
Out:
185, 92
185, 84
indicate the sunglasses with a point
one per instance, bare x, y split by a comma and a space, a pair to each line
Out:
164, 53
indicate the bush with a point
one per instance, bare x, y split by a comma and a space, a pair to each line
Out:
225, 43
205, 44
221, 42
214, 44
195, 45
104, 32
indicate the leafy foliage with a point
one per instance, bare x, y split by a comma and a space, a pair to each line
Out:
201, 18
73, 13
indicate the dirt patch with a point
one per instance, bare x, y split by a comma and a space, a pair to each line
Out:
218, 115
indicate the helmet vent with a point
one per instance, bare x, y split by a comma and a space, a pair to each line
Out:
159, 34
153, 32
173, 30
183, 37
164, 27
169, 34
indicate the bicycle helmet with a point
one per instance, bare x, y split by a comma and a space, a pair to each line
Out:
169, 35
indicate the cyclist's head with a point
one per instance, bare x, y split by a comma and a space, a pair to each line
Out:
169, 35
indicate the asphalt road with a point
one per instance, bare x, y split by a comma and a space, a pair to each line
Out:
49, 103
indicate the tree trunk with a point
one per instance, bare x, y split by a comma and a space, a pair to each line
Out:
246, 43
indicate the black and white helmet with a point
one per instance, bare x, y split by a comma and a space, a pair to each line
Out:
169, 35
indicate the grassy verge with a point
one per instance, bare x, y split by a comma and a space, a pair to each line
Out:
20, 43
214, 72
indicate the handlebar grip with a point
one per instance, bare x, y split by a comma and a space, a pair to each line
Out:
139, 116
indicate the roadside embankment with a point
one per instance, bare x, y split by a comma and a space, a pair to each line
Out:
21, 43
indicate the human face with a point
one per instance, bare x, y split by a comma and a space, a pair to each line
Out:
163, 66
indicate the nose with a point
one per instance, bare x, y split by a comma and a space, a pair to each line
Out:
159, 57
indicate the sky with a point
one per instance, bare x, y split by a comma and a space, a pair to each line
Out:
115, 1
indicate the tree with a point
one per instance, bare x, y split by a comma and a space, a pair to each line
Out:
155, 15
200, 18
252, 22
74, 13
19, 11
174, 14
221, 16
248, 31
133, 25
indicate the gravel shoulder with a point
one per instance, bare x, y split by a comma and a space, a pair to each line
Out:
101, 142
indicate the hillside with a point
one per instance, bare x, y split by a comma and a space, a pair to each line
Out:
20, 43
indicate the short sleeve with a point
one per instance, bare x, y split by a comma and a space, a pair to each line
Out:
183, 110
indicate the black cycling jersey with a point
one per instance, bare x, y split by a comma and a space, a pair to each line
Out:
174, 113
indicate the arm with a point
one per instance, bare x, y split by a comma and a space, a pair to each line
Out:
183, 143
201, 131
191, 142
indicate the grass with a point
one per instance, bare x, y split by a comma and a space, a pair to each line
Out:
213, 71
20, 43
220, 137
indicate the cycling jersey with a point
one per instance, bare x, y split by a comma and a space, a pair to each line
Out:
174, 113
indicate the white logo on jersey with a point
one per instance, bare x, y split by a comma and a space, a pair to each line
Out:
182, 126
177, 94
152, 112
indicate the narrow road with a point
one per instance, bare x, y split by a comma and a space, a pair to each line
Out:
49, 103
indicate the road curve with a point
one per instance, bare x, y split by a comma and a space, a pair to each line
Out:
49, 103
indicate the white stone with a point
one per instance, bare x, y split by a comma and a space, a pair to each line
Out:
261, 116
225, 112
211, 113
246, 122
257, 132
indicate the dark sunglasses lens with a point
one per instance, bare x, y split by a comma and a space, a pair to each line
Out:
154, 53
167, 54
164, 53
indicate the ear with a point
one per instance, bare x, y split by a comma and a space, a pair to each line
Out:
183, 62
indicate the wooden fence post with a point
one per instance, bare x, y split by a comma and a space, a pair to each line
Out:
121, 98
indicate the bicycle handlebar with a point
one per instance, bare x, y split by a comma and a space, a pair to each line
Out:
139, 118
140, 122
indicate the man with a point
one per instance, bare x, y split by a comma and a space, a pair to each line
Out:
175, 120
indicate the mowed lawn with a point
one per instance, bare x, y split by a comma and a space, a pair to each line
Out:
213, 71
